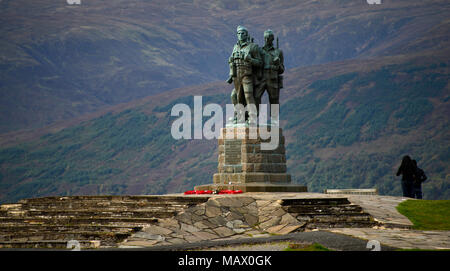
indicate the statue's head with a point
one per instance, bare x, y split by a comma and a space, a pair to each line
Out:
268, 36
242, 33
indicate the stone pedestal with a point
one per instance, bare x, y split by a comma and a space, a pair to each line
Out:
251, 163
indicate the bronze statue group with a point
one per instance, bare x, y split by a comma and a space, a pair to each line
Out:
254, 70
412, 178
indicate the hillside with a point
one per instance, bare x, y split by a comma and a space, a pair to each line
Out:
347, 125
60, 61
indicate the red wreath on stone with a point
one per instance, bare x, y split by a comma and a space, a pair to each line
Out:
201, 192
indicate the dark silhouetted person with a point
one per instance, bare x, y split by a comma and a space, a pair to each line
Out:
419, 178
407, 170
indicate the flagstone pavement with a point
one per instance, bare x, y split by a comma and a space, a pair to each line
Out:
394, 230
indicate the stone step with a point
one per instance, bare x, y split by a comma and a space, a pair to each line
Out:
328, 213
331, 218
323, 209
159, 213
20, 227
50, 244
121, 200
315, 201
106, 237
324, 214
137, 221
80, 205
103, 203
100, 206
354, 220
364, 191
339, 224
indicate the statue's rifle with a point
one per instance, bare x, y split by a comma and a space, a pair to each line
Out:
280, 77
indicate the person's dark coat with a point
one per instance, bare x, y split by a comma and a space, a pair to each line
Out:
407, 170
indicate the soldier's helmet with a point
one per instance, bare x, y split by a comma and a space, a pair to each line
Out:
241, 28
268, 32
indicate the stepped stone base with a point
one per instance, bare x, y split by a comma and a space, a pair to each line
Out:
244, 163
251, 177
254, 187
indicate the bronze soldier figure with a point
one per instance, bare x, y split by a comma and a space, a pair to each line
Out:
244, 59
273, 68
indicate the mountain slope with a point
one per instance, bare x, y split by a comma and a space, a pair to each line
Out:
59, 61
347, 125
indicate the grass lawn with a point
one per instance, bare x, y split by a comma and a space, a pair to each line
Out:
427, 214
312, 247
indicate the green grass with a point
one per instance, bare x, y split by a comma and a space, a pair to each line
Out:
312, 247
427, 214
418, 249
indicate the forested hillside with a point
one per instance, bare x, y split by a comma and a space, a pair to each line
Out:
60, 61
347, 125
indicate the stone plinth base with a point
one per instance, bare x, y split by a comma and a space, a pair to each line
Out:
251, 177
254, 187
249, 163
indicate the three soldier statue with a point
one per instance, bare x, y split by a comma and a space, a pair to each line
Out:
254, 70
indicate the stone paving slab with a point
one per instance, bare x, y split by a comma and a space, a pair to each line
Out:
401, 238
227, 217
383, 209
